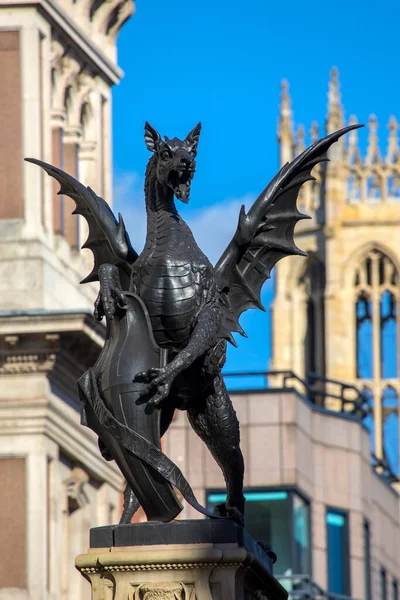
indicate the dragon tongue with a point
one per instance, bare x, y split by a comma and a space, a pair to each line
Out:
184, 192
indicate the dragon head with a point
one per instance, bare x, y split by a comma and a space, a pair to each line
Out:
175, 159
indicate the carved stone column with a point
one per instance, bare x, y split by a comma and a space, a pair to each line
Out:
182, 560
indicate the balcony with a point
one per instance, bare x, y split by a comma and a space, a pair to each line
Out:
326, 395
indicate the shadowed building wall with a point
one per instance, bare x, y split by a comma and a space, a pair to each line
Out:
57, 65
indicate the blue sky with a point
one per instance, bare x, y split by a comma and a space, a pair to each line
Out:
221, 63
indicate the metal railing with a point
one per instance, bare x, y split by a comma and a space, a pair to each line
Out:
321, 391
383, 468
327, 394
302, 587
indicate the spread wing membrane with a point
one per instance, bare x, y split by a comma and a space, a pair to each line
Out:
265, 235
108, 239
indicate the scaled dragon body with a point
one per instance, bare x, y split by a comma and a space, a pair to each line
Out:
193, 307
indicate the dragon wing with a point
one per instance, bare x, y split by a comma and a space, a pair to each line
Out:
108, 238
265, 235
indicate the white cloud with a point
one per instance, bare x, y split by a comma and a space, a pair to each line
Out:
129, 201
213, 226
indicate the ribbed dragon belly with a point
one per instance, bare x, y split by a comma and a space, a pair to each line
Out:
172, 295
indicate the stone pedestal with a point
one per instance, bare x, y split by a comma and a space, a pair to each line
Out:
182, 560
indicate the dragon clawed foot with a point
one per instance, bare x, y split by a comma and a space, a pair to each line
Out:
230, 512
110, 295
160, 380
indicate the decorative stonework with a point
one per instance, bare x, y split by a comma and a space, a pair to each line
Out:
18, 364
178, 572
164, 591
353, 234
75, 489
99, 568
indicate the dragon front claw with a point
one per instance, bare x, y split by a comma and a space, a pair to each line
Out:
159, 381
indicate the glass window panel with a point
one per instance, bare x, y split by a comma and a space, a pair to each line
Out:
301, 514
338, 552
367, 561
268, 520
383, 585
388, 336
395, 590
364, 338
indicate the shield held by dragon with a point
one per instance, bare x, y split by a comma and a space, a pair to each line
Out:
169, 314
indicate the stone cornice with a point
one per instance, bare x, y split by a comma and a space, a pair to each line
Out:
45, 322
62, 345
42, 354
111, 72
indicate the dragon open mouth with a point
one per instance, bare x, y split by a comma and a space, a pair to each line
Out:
179, 182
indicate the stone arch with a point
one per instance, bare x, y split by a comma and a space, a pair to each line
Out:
373, 279
87, 120
118, 17
103, 12
72, 104
360, 254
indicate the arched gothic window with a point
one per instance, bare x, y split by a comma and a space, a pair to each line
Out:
377, 293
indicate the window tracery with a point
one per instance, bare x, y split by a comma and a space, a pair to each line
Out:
376, 283
377, 295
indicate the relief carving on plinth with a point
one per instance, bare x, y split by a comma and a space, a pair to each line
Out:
163, 591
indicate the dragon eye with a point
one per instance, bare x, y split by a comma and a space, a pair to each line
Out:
165, 155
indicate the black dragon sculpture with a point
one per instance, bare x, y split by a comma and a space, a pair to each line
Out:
169, 316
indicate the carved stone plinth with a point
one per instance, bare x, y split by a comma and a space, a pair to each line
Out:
207, 569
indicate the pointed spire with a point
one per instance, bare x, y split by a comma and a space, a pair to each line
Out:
285, 129
300, 145
314, 131
393, 142
334, 119
373, 154
353, 152
285, 112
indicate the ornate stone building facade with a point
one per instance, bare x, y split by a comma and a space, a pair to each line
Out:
57, 64
337, 312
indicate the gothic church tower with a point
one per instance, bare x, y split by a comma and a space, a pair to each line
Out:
336, 313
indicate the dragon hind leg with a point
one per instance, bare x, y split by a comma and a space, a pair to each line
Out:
131, 503
214, 420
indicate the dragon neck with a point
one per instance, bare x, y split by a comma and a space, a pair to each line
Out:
158, 198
